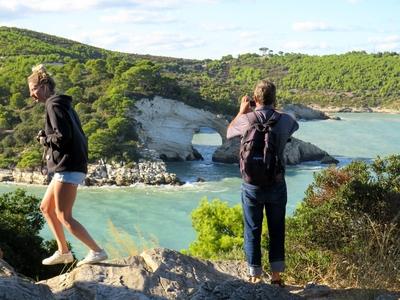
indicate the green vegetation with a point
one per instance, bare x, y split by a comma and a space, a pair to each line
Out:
20, 225
345, 233
106, 84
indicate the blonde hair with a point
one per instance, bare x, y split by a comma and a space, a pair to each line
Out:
41, 76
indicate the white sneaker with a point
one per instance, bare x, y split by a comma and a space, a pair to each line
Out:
93, 257
58, 258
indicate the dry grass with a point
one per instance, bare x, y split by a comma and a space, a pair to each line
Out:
373, 264
123, 244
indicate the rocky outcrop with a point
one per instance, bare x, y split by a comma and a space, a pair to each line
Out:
296, 151
13, 286
6, 175
31, 177
161, 274
148, 172
303, 112
362, 109
167, 126
165, 274
152, 172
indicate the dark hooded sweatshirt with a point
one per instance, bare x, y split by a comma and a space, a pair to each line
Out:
65, 140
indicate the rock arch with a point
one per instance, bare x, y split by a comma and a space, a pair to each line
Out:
168, 126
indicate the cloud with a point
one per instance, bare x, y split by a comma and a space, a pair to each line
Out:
18, 6
312, 26
386, 39
386, 43
99, 38
139, 16
12, 9
166, 41
135, 42
304, 46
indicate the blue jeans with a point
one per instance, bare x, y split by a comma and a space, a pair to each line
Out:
254, 200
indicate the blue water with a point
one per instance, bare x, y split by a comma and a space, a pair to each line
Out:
163, 212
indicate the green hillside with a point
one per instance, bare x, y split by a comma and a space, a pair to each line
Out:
106, 84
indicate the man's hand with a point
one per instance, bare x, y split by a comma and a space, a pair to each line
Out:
245, 105
244, 109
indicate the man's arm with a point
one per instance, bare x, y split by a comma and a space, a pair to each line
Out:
235, 128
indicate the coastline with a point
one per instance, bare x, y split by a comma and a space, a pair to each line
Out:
350, 109
103, 174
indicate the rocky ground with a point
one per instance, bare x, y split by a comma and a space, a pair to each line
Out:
166, 274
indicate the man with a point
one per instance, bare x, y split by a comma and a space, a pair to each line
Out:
271, 197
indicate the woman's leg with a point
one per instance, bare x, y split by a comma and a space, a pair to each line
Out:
64, 196
48, 208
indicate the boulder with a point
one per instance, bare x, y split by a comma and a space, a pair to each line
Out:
296, 151
14, 286
303, 112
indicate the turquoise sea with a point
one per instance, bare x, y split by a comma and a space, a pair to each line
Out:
163, 212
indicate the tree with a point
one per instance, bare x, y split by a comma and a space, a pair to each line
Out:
77, 73
17, 101
20, 226
219, 229
101, 144
30, 158
264, 50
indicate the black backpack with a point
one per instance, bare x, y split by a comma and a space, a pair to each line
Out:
259, 161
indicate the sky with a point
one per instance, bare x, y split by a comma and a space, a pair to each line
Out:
201, 29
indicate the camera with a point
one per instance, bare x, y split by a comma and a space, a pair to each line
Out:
252, 103
40, 134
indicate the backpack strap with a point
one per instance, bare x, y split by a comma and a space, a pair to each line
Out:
252, 118
271, 120
274, 118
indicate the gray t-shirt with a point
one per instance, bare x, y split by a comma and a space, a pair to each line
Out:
283, 129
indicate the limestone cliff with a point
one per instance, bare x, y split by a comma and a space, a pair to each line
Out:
167, 126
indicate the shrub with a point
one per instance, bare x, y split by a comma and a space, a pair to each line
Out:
350, 216
346, 231
219, 229
30, 159
20, 224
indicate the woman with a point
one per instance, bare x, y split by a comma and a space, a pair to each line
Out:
66, 157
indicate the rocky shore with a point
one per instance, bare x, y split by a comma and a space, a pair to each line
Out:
303, 112
147, 172
296, 152
348, 109
166, 274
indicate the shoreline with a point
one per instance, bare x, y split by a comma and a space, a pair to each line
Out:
350, 109
102, 174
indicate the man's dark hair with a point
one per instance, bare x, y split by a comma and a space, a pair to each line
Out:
265, 92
